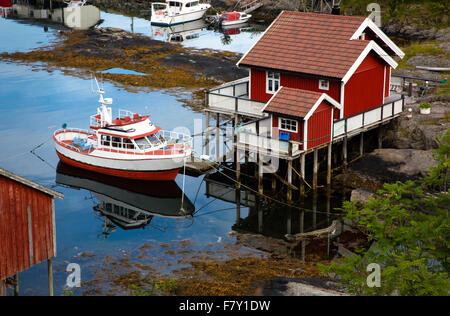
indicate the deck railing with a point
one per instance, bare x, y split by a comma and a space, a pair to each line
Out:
353, 123
233, 98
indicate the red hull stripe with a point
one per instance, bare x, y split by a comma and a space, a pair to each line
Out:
168, 175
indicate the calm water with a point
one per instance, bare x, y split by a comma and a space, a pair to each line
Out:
35, 102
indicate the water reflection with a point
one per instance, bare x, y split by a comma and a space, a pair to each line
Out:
180, 32
128, 204
78, 17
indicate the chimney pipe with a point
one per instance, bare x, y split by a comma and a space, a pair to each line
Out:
336, 10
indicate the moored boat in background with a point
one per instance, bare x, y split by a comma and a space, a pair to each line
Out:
177, 12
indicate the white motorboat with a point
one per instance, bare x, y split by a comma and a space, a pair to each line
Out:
177, 12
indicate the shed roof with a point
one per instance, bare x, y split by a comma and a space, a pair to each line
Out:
297, 103
309, 43
29, 183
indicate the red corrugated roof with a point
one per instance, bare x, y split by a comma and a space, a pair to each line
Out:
293, 102
311, 43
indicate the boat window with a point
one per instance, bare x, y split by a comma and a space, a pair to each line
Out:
143, 143
128, 144
175, 4
108, 207
116, 142
106, 140
192, 4
155, 139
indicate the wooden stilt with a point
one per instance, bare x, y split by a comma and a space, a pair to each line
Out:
314, 209
302, 229
344, 152
238, 206
330, 147
380, 137
260, 174
16, 285
289, 176
218, 137
238, 185
315, 169
2, 288
50, 276
207, 134
302, 172
260, 215
274, 183
289, 222
361, 144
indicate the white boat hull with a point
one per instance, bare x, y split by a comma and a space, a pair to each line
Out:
165, 20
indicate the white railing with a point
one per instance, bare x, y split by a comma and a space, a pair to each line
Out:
366, 119
266, 143
233, 97
125, 113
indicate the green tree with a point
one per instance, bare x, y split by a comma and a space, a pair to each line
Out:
408, 225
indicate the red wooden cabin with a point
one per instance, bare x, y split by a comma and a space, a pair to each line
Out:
347, 59
27, 225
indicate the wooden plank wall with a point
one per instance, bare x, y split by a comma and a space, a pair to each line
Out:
26, 227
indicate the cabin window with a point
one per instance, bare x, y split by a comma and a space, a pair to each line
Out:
106, 140
155, 139
192, 4
143, 143
324, 85
175, 4
288, 125
116, 142
273, 82
128, 144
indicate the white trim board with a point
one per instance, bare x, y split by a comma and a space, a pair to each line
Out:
371, 46
368, 23
323, 97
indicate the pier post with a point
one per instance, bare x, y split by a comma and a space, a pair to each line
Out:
380, 137
302, 229
260, 214
315, 169
274, 183
2, 288
50, 276
238, 185
207, 134
289, 176
361, 144
314, 208
16, 285
330, 148
344, 151
260, 174
289, 222
302, 172
217, 137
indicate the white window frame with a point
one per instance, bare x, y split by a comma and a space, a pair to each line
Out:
327, 85
274, 80
280, 119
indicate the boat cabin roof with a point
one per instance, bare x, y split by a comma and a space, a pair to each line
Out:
134, 130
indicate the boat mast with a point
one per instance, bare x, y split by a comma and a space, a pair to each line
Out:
104, 111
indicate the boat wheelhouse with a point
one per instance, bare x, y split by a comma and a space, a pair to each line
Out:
130, 146
177, 12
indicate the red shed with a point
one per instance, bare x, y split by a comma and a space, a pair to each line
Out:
27, 226
347, 58
302, 116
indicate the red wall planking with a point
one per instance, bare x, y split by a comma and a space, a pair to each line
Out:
15, 199
387, 89
365, 89
258, 85
319, 126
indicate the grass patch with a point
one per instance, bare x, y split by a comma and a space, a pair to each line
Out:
424, 48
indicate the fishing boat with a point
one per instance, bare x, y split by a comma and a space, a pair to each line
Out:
233, 18
177, 12
130, 146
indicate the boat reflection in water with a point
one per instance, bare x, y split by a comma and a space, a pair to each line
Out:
80, 17
235, 29
180, 32
127, 203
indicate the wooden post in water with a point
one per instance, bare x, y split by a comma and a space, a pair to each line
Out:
302, 229
260, 174
50, 277
289, 176
302, 172
315, 209
16, 285
207, 134
330, 148
238, 185
361, 144
2, 288
217, 137
380, 137
344, 151
315, 169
